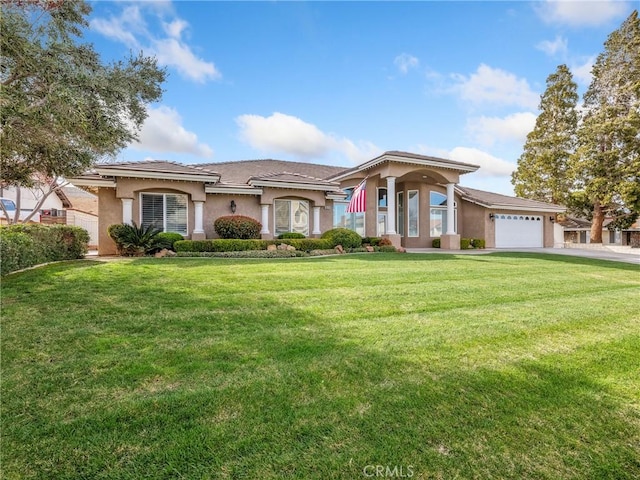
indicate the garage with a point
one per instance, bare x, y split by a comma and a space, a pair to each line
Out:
518, 231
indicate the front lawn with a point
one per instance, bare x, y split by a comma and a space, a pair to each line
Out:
435, 366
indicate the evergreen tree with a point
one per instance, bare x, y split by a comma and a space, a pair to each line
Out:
61, 107
607, 162
542, 172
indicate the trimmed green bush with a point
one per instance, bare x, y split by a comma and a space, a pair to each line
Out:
435, 243
465, 243
373, 241
247, 254
308, 244
237, 227
220, 245
291, 235
478, 243
26, 245
133, 240
166, 240
343, 236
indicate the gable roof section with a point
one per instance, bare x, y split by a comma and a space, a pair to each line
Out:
293, 180
241, 171
410, 158
161, 169
497, 201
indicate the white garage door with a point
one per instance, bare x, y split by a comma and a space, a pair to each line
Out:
518, 231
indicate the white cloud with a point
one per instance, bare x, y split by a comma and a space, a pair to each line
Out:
582, 73
122, 28
494, 86
131, 29
559, 46
283, 133
174, 53
490, 166
162, 131
580, 12
513, 128
404, 62
174, 29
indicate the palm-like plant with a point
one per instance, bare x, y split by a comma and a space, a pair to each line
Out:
133, 240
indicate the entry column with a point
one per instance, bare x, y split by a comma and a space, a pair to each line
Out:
450, 240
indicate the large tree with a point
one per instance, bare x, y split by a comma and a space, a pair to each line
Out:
607, 161
61, 107
543, 167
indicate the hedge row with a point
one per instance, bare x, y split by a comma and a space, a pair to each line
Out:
234, 245
26, 245
247, 254
465, 243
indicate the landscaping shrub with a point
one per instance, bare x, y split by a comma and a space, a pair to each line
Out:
166, 240
384, 242
221, 245
478, 243
26, 245
435, 243
308, 244
373, 241
247, 254
133, 240
343, 236
237, 227
387, 248
465, 243
291, 235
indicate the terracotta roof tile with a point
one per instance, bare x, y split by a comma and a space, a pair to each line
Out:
497, 199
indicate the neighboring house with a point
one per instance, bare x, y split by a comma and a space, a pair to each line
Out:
68, 205
578, 231
29, 199
410, 199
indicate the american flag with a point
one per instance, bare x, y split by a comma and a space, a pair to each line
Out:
358, 200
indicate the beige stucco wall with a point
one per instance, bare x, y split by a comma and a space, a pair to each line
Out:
474, 222
109, 212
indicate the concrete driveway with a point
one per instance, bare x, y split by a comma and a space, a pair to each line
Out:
631, 255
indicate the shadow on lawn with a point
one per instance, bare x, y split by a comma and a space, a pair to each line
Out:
272, 391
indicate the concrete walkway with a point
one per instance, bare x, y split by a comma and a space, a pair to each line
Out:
631, 255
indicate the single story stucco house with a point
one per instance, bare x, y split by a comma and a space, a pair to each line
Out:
410, 199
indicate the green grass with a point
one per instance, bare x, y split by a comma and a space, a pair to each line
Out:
515, 366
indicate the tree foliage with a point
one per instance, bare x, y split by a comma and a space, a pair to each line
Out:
590, 162
62, 108
543, 167
607, 162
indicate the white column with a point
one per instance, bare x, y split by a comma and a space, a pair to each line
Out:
265, 219
316, 221
199, 217
127, 211
451, 225
391, 206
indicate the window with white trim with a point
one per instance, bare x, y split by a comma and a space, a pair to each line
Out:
291, 216
382, 211
342, 219
413, 205
400, 214
166, 211
438, 214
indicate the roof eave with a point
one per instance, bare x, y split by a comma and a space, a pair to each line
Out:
158, 175
294, 185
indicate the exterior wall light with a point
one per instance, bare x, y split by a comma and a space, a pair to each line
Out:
492, 216
232, 206
552, 219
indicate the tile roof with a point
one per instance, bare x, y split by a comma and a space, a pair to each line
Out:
497, 200
240, 172
162, 166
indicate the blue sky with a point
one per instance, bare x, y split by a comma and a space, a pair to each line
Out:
341, 82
